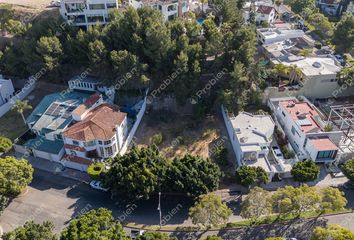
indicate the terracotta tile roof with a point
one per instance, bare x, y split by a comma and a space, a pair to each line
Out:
75, 148
302, 110
87, 104
99, 124
323, 144
77, 159
265, 9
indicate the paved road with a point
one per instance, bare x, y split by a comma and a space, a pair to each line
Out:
57, 199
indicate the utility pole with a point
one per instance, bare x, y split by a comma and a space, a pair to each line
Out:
159, 208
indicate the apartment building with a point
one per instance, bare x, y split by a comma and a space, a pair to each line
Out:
170, 9
85, 13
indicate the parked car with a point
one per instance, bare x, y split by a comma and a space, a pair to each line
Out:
134, 233
277, 153
340, 59
98, 185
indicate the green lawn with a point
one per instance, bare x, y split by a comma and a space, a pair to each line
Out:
12, 125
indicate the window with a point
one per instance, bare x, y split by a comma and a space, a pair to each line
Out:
100, 142
283, 113
293, 131
111, 5
96, 6
90, 143
109, 151
324, 154
101, 151
107, 142
76, 142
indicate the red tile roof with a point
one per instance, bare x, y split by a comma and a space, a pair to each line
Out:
92, 99
323, 144
301, 111
75, 148
99, 124
77, 159
265, 9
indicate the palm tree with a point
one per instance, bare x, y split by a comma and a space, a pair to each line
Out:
282, 70
295, 74
203, 2
20, 107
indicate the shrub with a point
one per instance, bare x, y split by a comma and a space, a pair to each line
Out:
156, 139
5, 144
318, 45
95, 171
348, 169
220, 155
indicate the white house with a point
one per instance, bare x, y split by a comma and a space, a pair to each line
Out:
99, 133
251, 138
170, 9
6, 90
305, 130
87, 12
272, 35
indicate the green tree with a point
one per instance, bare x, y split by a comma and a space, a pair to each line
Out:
249, 175
95, 171
15, 27
334, 232
213, 36
20, 107
5, 144
299, 5
256, 204
95, 224
209, 211
348, 169
31, 231
291, 200
3, 202
15, 175
137, 174
193, 175
332, 199
305, 171
155, 236
322, 25
50, 50
343, 36
275, 238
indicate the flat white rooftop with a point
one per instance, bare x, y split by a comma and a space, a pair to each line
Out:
260, 162
252, 129
313, 66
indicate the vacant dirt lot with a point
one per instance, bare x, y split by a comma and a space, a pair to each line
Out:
38, 4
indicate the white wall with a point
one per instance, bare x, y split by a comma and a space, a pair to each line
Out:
27, 89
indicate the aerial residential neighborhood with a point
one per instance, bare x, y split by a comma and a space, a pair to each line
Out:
176, 120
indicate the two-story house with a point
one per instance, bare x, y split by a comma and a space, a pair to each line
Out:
99, 132
86, 13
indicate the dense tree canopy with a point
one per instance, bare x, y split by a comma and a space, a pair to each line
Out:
5, 144
193, 175
31, 231
334, 232
348, 169
95, 224
209, 211
155, 236
142, 172
305, 171
15, 175
248, 175
343, 36
256, 204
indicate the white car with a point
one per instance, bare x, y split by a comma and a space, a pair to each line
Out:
277, 153
134, 233
98, 185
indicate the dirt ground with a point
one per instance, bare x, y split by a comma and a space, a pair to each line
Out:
36, 4
181, 134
